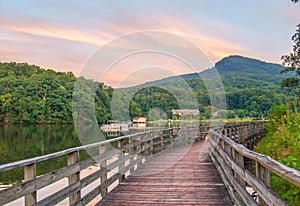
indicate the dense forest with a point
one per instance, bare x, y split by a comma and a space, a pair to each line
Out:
251, 87
29, 94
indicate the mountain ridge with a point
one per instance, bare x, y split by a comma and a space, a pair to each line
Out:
233, 64
251, 88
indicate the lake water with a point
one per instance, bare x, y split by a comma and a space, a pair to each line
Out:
18, 142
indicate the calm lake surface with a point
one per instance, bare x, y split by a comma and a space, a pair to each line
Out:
18, 142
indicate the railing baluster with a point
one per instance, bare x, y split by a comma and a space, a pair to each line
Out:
230, 159
131, 160
241, 162
103, 164
151, 142
72, 159
264, 175
121, 156
161, 139
30, 173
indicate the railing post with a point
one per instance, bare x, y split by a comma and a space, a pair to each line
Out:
151, 142
264, 175
138, 146
102, 150
230, 132
131, 159
121, 156
73, 158
161, 133
241, 162
228, 150
30, 173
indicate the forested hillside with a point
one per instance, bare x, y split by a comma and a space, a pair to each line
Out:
251, 87
29, 94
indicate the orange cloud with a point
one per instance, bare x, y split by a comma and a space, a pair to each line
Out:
63, 58
60, 33
215, 47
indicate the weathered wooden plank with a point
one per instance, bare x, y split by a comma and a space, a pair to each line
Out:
73, 158
287, 173
64, 193
144, 145
31, 186
30, 161
19, 190
104, 184
165, 186
225, 181
239, 159
121, 156
30, 173
262, 174
290, 174
103, 164
60, 195
267, 194
227, 161
89, 197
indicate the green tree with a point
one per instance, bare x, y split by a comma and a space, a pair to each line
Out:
134, 109
282, 143
5, 106
291, 62
29, 94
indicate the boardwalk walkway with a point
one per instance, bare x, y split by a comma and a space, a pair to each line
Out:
193, 180
177, 176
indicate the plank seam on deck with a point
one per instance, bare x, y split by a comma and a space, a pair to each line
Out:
167, 187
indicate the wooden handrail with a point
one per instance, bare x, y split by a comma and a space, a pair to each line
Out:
34, 160
133, 148
229, 159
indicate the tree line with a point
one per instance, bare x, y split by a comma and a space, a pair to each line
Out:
29, 94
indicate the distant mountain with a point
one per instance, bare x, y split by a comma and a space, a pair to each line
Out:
251, 86
239, 64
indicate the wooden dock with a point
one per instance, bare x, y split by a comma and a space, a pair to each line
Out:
192, 180
158, 167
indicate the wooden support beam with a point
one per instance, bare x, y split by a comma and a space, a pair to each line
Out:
121, 156
161, 139
30, 173
264, 175
240, 160
103, 164
73, 158
131, 160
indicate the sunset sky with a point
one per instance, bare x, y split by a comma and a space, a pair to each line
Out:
62, 35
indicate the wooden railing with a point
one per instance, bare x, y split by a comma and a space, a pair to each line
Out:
121, 156
230, 158
124, 157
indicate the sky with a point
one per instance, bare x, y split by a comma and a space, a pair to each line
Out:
64, 35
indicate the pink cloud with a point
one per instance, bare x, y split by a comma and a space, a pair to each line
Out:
65, 47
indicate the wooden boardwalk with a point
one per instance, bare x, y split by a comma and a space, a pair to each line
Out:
192, 180
180, 176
